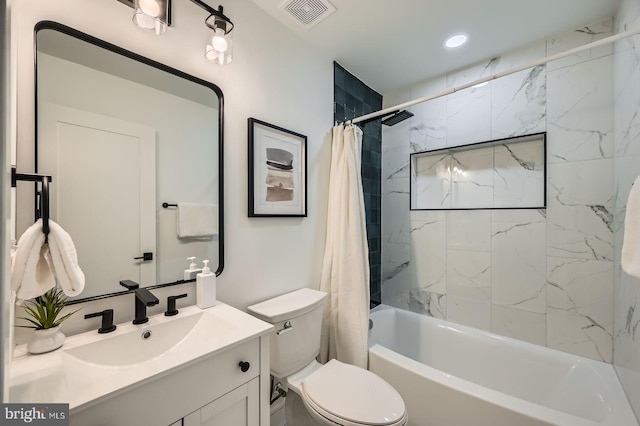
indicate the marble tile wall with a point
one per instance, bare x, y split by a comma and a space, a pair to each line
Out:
626, 148
509, 175
539, 275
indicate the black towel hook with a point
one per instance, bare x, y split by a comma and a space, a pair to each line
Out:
43, 209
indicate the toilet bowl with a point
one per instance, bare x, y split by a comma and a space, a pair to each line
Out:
331, 394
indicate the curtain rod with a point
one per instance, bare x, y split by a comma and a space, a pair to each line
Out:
532, 64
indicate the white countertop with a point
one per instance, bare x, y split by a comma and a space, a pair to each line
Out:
57, 377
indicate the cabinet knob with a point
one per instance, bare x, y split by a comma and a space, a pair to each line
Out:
244, 366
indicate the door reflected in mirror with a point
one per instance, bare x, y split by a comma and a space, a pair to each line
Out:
121, 135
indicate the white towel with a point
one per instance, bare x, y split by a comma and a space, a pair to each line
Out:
64, 261
31, 274
36, 265
197, 220
630, 258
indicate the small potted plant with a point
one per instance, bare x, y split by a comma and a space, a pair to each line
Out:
43, 314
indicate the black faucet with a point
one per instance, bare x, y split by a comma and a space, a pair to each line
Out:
107, 320
171, 305
143, 297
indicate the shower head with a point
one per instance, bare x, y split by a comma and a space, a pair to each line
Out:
397, 117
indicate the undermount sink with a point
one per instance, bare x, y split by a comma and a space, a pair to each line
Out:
140, 344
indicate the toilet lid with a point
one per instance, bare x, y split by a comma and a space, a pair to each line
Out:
353, 394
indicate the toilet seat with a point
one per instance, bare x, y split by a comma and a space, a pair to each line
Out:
352, 396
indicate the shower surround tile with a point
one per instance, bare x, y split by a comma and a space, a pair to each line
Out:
518, 265
583, 289
431, 177
627, 167
580, 115
428, 303
469, 230
395, 212
567, 97
471, 312
518, 175
519, 57
428, 126
581, 36
469, 275
577, 335
396, 162
396, 277
627, 323
580, 209
429, 253
627, 92
469, 74
518, 324
469, 116
518, 104
472, 178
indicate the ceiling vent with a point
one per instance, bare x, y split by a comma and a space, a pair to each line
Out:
307, 13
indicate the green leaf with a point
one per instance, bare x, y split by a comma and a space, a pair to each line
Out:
44, 310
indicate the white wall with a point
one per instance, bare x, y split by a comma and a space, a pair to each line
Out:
274, 77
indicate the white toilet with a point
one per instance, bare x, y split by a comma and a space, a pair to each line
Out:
331, 394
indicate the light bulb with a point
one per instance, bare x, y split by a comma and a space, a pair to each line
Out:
144, 21
219, 42
150, 7
210, 53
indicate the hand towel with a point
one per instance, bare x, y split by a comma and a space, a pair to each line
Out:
64, 261
31, 273
197, 220
630, 258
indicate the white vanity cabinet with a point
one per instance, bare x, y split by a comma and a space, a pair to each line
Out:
239, 407
211, 391
205, 367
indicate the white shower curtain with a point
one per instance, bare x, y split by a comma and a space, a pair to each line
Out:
345, 268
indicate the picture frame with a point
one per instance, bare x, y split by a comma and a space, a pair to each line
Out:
277, 171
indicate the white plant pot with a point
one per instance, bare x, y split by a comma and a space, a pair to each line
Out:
46, 340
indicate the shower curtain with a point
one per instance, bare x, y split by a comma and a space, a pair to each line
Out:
345, 267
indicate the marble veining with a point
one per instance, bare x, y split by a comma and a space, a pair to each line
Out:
541, 275
506, 175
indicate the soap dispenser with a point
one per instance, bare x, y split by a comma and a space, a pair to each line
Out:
190, 274
205, 287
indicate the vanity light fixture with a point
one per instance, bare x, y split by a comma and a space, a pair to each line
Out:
220, 48
155, 15
152, 15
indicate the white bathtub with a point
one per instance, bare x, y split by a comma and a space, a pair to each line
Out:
450, 375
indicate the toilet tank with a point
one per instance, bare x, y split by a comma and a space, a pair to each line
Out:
297, 318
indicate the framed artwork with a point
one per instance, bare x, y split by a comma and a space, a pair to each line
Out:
277, 171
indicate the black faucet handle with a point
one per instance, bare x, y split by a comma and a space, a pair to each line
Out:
129, 285
171, 305
107, 320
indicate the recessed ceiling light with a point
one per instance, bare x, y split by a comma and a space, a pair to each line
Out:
456, 40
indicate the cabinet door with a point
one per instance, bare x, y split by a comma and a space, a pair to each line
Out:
240, 407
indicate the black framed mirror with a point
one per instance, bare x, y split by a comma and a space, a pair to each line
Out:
135, 149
